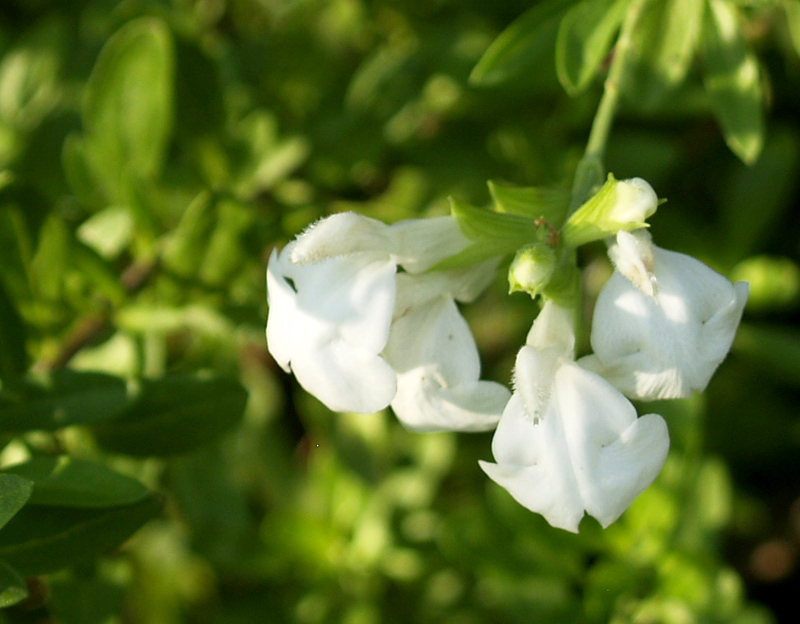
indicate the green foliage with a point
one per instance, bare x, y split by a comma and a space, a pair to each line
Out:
157, 466
584, 38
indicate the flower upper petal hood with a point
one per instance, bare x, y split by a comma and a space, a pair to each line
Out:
330, 313
663, 322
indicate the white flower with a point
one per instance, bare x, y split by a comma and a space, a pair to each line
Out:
663, 322
569, 442
328, 323
336, 298
438, 369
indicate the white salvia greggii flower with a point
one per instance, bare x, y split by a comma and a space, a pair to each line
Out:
333, 297
663, 322
436, 359
568, 442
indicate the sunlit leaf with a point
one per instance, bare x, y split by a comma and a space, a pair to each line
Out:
733, 81
69, 482
45, 538
527, 44
664, 43
128, 107
14, 493
13, 588
584, 39
792, 8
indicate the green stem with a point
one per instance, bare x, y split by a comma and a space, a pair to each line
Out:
590, 172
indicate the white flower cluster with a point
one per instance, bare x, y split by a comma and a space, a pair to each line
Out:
359, 317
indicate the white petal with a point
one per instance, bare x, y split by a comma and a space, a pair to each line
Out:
354, 294
668, 344
587, 452
533, 465
613, 454
282, 301
554, 328
346, 379
421, 404
419, 244
340, 234
437, 363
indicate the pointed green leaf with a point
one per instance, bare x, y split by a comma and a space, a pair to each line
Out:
792, 8
128, 107
44, 538
188, 242
60, 399
14, 493
13, 588
732, 80
174, 415
69, 482
13, 354
663, 45
538, 202
584, 39
525, 45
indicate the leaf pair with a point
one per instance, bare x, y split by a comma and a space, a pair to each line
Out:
665, 36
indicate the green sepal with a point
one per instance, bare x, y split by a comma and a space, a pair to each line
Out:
618, 205
564, 287
547, 203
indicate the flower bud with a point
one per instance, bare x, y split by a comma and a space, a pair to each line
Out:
618, 205
532, 269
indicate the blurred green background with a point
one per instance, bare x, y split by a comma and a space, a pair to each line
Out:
153, 152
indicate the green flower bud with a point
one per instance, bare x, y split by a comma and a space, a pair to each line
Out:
532, 269
618, 205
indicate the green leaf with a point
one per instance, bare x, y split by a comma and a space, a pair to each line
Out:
60, 399
69, 482
663, 44
174, 415
584, 39
51, 261
14, 493
792, 8
732, 80
755, 198
525, 45
773, 348
188, 242
13, 354
13, 588
128, 107
548, 203
43, 538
